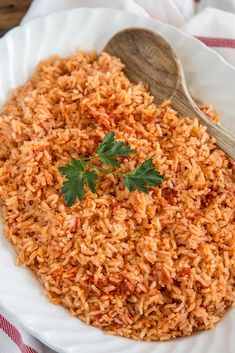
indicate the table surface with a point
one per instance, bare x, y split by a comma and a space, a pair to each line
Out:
11, 12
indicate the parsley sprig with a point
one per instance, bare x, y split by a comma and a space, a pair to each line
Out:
81, 172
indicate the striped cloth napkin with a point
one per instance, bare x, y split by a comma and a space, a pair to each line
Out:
211, 21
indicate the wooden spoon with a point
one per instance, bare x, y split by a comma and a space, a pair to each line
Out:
150, 58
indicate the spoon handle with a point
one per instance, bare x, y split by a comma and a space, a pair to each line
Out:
183, 102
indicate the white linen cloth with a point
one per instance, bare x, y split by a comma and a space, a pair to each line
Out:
213, 21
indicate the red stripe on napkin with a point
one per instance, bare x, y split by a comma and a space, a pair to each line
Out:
15, 336
217, 42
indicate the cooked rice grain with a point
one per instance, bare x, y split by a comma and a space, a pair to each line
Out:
149, 267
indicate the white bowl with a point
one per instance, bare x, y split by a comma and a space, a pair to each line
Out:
210, 79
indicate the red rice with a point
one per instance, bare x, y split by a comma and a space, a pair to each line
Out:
149, 267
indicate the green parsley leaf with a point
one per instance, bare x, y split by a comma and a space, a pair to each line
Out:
143, 176
72, 170
72, 189
90, 178
76, 175
109, 149
110, 161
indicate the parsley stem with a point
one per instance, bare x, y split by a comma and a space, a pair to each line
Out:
87, 159
106, 171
